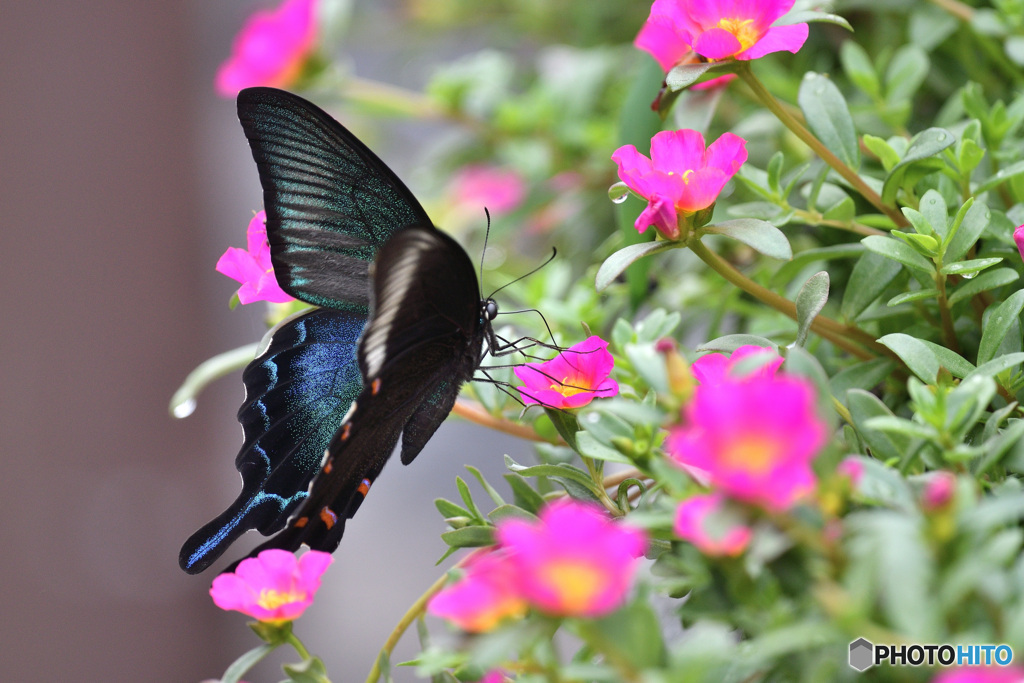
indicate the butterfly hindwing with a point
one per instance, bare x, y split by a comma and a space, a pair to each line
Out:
423, 340
297, 394
330, 202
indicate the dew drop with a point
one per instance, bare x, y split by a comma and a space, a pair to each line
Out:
185, 408
969, 276
618, 192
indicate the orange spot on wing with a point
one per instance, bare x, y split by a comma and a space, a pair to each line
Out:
300, 522
364, 487
346, 431
329, 466
375, 387
328, 517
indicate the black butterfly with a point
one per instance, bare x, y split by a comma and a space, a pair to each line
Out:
319, 404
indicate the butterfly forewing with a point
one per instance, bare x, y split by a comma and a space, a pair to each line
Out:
330, 202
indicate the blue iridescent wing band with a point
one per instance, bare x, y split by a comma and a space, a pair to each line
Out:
297, 393
330, 202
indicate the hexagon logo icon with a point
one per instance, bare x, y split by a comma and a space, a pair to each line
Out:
862, 654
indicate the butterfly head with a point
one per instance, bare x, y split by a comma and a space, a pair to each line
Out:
488, 311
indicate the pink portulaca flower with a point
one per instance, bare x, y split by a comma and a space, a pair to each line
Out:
704, 522
575, 562
938, 490
716, 30
1018, 238
252, 266
571, 379
988, 674
270, 49
681, 177
853, 469
483, 598
715, 368
501, 190
274, 586
755, 437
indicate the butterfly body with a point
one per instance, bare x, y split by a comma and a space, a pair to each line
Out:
322, 409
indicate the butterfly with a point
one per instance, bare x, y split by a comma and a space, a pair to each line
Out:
400, 327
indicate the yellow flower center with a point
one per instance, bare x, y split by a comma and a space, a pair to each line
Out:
272, 599
569, 386
686, 176
743, 29
575, 582
485, 620
754, 453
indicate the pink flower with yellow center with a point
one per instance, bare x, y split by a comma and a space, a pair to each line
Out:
274, 586
575, 562
715, 368
754, 436
500, 190
484, 597
252, 266
704, 522
681, 177
676, 30
571, 379
270, 49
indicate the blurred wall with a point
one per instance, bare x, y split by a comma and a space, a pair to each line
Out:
122, 178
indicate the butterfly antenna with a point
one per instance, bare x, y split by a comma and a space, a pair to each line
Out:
487, 236
554, 253
551, 334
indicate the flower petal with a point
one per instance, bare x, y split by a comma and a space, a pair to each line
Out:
717, 43
776, 39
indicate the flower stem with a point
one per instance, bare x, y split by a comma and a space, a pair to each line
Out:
957, 9
798, 129
297, 644
474, 413
826, 327
415, 610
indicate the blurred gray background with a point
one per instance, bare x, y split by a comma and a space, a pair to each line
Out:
122, 178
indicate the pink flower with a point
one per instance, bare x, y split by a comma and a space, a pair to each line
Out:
274, 586
493, 676
755, 436
571, 379
575, 561
252, 267
703, 521
988, 674
715, 368
938, 491
717, 29
681, 177
484, 597
1018, 237
853, 469
270, 49
500, 190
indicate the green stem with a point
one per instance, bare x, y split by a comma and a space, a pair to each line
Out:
787, 119
297, 644
948, 331
826, 327
957, 9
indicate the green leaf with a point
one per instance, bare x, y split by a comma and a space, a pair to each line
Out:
998, 446
917, 295
859, 69
984, 282
809, 301
510, 512
918, 357
241, 666
592, 448
731, 342
495, 496
649, 364
907, 71
863, 406
919, 222
311, 670
883, 150
804, 258
897, 425
761, 236
829, 118
631, 633
934, 211
565, 424
469, 537
871, 275
866, 376
967, 233
898, 251
467, 498
810, 16
685, 75
999, 177
926, 245
524, 495
615, 264
561, 471
998, 324
998, 365
449, 509
924, 145
967, 267
957, 365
